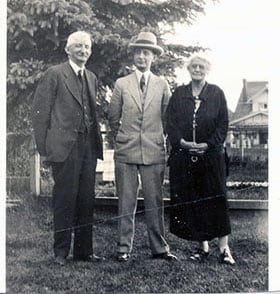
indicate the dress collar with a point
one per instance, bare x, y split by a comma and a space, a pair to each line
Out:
202, 95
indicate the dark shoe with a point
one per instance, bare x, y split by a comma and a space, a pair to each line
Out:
89, 258
199, 255
60, 260
166, 255
123, 257
227, 258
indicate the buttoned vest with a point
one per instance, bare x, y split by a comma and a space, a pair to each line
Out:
86, 104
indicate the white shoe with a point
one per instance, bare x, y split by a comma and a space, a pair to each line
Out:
227, 258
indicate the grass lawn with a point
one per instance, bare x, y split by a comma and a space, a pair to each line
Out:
30, 268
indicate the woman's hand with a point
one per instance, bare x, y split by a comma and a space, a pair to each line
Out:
187, 144
201, 146
193, 146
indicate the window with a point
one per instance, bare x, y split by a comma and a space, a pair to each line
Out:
263, 137
262, 106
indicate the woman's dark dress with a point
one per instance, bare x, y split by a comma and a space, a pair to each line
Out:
199, 209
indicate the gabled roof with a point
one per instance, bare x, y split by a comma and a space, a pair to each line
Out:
249, 92
250, 118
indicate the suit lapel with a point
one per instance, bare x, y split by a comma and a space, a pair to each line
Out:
134, 89
71, 83
91, 87
151, 90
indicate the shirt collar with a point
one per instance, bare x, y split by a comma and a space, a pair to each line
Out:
140, 73
76, 68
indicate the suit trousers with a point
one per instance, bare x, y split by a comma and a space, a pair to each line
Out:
73, 198
127, 185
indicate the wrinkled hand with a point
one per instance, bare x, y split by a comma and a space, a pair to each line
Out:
201, 146
186, 144
196, 147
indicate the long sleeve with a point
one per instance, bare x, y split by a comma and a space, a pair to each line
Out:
42, 106
219, 135
172, 120
164, 105
115, 109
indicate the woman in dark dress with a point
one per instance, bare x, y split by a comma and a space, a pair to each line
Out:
197, 123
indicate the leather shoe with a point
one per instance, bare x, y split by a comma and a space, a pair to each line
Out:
123, 257
89, 258
227, 258
199, 255
60, 260
167, 256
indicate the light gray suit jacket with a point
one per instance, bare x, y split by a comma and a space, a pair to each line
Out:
138, 129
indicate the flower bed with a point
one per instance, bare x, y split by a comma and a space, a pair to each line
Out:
246, 184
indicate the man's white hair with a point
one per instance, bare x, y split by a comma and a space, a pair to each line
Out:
76, 36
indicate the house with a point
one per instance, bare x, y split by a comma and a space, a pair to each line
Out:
248, 127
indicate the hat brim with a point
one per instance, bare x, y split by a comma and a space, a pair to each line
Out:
157, 49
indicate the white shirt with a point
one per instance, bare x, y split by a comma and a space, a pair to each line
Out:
197, 102
139, 75
76, 68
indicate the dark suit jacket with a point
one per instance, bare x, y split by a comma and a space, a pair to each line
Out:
57, 112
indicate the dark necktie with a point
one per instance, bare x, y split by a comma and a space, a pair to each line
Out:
142, 83
80, 76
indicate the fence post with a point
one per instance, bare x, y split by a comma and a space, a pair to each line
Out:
242, 145
35, 186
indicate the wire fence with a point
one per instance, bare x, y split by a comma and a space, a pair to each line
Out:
250, 168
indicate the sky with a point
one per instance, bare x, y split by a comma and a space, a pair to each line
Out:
241, 35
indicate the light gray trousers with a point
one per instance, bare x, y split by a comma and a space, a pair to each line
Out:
127, 185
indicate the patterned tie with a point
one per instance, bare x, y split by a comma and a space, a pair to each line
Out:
142, 83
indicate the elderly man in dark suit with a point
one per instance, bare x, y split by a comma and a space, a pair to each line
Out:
136, 116
68, 135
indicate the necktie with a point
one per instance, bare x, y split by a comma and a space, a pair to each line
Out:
80, 76
142, 83
81, 79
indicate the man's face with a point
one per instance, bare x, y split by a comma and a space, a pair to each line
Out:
80, 50
143, 59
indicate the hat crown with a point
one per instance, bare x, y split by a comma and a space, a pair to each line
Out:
146, 38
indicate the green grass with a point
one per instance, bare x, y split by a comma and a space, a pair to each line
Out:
30, 268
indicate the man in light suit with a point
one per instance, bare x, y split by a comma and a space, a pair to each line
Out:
68, 135
136, 114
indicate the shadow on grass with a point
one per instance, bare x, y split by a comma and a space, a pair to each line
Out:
30, 268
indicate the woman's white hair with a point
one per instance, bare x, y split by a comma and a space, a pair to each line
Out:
201, 56
76, 36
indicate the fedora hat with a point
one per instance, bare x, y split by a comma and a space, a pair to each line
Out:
146, 40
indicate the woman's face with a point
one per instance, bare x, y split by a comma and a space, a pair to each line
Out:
198, 69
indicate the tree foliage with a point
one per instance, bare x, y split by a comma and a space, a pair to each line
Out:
38, 29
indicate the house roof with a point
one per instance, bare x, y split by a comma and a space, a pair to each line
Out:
230, 114
249, 91
249, 118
